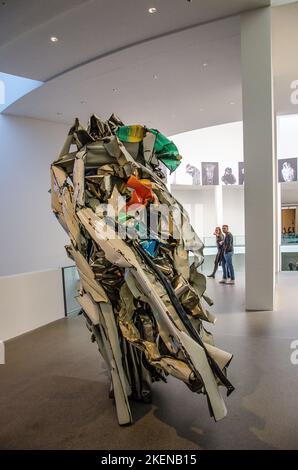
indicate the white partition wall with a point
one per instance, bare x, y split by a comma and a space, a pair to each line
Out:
29, 301
31, 240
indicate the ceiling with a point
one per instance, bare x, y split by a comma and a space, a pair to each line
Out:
174, 69
162, 83
87, 29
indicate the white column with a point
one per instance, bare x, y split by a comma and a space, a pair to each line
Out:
259, 157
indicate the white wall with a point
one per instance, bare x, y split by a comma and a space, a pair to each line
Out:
233, 208
217, 143
289, 193
30, 237
29, 301
223, 144
31, 240
200, 205
287, 136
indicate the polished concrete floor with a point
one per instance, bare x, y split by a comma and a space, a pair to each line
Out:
54, 387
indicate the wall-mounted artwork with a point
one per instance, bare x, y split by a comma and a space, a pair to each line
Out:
241, 172
210, 173
228, 174
287, 170
195, 174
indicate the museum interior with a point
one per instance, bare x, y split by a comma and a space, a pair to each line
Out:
191, 105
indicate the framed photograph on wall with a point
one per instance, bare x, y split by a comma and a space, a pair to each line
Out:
210, 174
186, 174
287, 170
241, 172
228, 174
194, 173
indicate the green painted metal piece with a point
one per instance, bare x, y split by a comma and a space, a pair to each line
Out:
166, 151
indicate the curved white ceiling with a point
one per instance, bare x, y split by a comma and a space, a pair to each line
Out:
87, 29
112, 56
162, 82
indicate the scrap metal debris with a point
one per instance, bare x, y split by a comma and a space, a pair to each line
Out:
137, 256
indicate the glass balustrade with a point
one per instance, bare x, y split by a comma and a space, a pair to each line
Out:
289, 262
209, 242
70, 277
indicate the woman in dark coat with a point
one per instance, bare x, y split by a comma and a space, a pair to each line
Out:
219, 243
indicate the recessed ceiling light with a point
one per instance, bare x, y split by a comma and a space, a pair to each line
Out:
152, 10
205, 64
54, 39
155, 77
232, 103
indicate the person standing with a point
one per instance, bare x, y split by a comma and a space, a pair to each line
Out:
227, 261
219, 256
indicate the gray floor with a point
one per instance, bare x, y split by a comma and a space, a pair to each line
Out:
54, 388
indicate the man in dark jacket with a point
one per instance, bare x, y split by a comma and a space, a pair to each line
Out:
227, 262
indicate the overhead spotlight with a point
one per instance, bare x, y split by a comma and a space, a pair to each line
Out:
205, 64
155, 77
152, 10
54, 39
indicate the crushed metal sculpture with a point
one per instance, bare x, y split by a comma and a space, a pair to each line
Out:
132, 243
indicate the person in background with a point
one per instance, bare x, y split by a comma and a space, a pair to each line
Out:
227, 261
219, 256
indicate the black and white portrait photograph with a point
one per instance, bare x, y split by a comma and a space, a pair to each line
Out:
241, 172
287, 170
210, 173
228, 174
